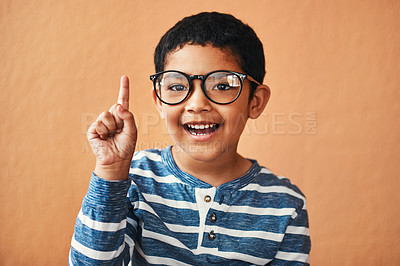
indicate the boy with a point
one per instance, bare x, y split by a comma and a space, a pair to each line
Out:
197, 202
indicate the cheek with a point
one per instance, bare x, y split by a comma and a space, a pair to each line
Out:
170, 116
236, 121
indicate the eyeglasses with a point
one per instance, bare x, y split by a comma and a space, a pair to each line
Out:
221, 86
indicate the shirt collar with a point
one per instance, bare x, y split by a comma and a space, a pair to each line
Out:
169, 162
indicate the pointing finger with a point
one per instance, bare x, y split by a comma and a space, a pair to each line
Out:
123, 97
129, 121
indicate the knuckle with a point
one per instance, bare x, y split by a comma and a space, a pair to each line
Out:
100, 127
113, 108
94, 126
107, 115
97, 124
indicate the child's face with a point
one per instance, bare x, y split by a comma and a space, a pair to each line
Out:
223, 124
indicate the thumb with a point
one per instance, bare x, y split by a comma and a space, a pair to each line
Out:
129, 121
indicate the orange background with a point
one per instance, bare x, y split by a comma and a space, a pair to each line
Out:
331, 126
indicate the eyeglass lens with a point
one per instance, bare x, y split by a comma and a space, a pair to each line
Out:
221, 87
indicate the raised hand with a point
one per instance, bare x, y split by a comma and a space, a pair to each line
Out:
113, 137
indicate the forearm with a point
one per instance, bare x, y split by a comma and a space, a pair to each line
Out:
99, 236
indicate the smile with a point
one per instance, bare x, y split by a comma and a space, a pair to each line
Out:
201, 129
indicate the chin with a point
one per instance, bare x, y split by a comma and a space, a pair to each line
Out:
204, 152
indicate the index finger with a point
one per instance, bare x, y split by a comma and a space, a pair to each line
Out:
123, 97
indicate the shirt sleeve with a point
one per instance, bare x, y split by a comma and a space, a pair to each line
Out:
296, 245
101, 229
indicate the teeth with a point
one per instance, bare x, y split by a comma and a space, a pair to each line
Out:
204, 126
200, 126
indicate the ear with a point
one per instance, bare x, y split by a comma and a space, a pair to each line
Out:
157, 103
259, 101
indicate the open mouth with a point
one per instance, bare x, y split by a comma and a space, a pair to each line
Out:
201, 129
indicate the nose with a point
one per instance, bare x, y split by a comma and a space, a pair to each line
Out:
197, 101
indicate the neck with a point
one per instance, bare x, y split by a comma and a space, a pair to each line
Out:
228, 167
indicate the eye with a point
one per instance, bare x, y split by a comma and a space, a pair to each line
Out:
223, 87
177, 87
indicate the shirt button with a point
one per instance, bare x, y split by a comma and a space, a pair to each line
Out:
207, 198
213, 218
212, 235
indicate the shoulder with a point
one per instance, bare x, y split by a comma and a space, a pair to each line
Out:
269, 178
146, 155
148, 166
146, 160
278, 189
150, 176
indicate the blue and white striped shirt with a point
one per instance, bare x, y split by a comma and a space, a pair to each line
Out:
172, 218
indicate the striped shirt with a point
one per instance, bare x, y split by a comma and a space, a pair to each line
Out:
163, 215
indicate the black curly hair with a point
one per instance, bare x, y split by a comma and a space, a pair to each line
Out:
222, 31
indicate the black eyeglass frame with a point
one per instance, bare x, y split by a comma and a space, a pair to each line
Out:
190, 78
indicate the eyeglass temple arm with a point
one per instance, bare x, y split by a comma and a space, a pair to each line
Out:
253, 80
